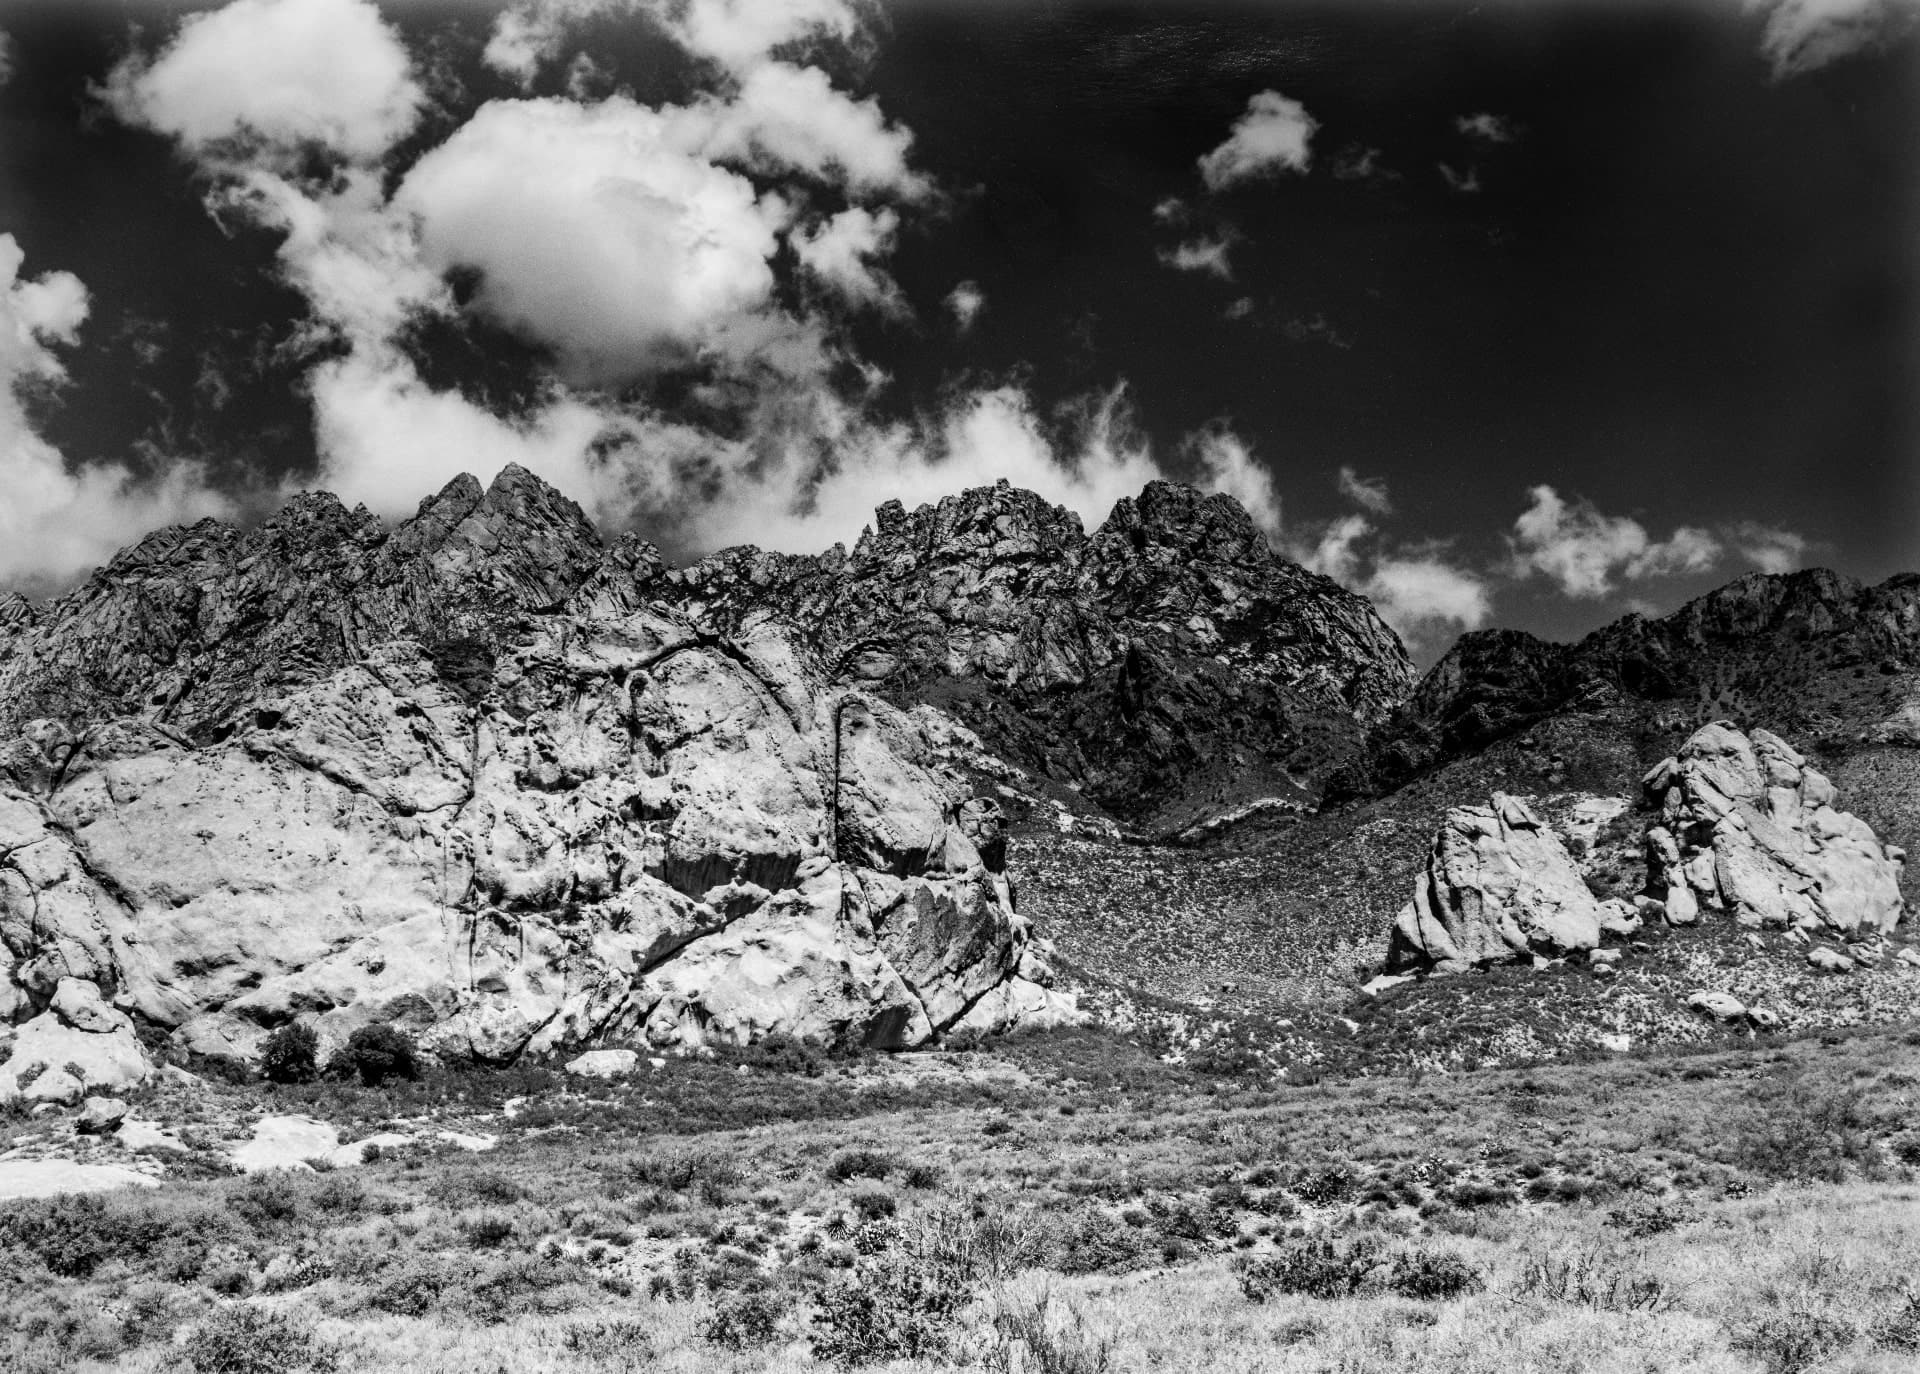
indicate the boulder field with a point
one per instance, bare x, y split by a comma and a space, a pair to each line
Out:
1742, 826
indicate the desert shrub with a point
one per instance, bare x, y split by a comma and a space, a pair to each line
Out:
72, 1235
1588, 1278
1793, 1340
375, 1054
777, 1053
291, 1054
922, 1176
1029, 1340
1806, 1131
873, 1203
620, 1342
744, 1321
253, 1340
903, 1305
851, 1164
1900, 1328
710, 1175
488, 1231
1648, 1219
1433, 1276
268, 1202
1089, 1243
1315, 1266
1324, 1187
411, 1288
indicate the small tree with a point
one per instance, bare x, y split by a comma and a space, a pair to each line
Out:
377, 1053
291, 1054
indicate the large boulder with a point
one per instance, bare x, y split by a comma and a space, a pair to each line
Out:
1748, 827
77, 1045
1498, 885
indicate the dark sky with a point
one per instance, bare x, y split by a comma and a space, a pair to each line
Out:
1675, 276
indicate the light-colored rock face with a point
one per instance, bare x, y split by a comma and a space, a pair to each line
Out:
77, 1045
1498, 885
1747, 827
639, 830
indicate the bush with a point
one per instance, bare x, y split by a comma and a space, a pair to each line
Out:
850, 1164
744, 1321
1794, 1340
252, 1340
1433, 1276
376, 1053
1590, 1279
902, 1305
1048, 1347
1315, 1267
291, 1054
777, 1053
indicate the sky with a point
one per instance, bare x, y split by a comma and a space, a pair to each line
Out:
1524, 313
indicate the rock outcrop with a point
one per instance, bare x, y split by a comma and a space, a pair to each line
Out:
638, 830
1498, 885
1748, 828
1790, 649
1169, 664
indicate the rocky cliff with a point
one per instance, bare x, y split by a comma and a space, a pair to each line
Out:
486, 776
1169, 664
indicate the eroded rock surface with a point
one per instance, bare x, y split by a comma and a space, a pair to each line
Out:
1748, 828
1498, 885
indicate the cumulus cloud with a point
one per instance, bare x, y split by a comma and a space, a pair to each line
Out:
1368, 493
1358, 163
786, 117
1272, 137
1208, 255
274, 77
1488, 128
964, 303
597, 232
6, 57
1586, 553
1095, 459
1802, 36
1171, 211
58, 520
842, 252
1421, 590
1227, 465
1768, 547
1466, 183
735, 34
1425, 596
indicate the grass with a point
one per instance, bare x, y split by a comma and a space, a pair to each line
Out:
1090, 1210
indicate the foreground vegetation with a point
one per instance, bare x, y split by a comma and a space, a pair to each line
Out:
1062, 1203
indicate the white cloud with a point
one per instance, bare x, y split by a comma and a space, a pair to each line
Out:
1427, 596
1201, 255
6, 57
1768, 547
1489, 128
1369, 493
1421, 592
276, 76
1270, 138
1466, 183
597, 233
1227, 466
1357, 163
1802, 36
841, 252
1586, 553
58, 521
983, 437
736, 34
966, 301
1238, 308
792, 117
1172, 210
